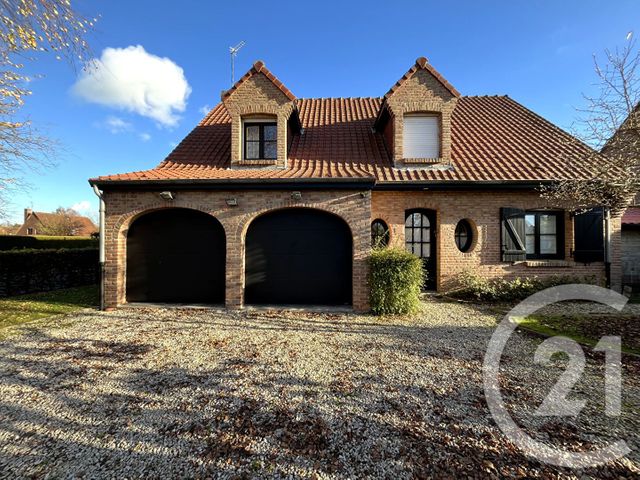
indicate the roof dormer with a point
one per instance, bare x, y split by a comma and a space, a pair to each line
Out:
262, 113
415, 117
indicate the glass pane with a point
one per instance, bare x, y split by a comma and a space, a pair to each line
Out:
548, 244
408, 235
530, 224
270, 132
417, 219
417, 234
425, 235
461, 241
531, 244
426, 250
253, 150
416, 249
408, 221
270, 150
425, 221
253, 132
547, 224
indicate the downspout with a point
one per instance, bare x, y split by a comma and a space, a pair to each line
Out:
102, 257
607, 246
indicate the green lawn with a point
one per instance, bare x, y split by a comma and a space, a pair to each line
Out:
588, 329
26, 308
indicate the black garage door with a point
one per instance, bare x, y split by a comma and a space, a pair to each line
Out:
298, 256
176, 256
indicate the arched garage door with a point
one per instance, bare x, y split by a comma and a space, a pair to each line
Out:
298, 256
176, 255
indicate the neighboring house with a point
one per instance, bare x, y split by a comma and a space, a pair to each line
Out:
274, 199
41, 223
625, 143
631, 244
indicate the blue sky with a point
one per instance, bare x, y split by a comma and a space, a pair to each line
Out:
539, 53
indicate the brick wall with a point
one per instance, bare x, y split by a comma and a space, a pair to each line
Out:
122, 208
483, 211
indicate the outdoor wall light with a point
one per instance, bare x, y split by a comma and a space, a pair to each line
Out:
297, 196
232, 202
167, 196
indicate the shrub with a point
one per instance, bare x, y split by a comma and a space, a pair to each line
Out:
501, 290
395, 278
36, 270
16, 242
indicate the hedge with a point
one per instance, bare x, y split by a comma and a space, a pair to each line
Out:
30, 271
15, 242
396, 278
473, 286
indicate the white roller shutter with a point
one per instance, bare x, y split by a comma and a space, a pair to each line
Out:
421, 136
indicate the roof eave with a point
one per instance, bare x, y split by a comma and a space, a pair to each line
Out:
345, 183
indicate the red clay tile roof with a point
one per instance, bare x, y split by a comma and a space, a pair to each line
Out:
260, 67
85, 226
422, 62
493, 139
631, 216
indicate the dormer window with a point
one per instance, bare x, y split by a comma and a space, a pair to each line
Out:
421, 134
260, 140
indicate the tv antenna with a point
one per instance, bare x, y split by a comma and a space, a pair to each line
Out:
233, 51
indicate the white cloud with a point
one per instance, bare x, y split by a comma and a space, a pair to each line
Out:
145, 137
133, 80
83, 206
117, 125
204, 109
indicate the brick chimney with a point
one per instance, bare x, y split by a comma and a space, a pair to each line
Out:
27, 212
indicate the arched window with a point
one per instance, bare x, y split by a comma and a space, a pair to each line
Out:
379, 234
463, 235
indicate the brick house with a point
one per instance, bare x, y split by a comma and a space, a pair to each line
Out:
274, 199
631, 244
37, 223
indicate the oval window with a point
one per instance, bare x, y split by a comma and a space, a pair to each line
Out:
463, 235
379, 234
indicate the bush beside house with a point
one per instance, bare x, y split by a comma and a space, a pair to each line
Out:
396, 278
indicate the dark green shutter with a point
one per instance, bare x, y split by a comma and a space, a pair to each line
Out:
512, 234
588, 234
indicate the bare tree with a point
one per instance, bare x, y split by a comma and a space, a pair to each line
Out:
610, 124
62, 222
27, 28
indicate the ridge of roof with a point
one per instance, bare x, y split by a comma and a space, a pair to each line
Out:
422, 64
256, 68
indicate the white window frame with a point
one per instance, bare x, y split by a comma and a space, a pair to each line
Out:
422, 141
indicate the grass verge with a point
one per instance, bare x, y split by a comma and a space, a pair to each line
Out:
26, 308
587, 329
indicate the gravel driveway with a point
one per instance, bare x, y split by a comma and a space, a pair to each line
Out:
201, 393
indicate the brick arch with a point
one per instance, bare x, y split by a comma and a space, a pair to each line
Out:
236, 244
125, 220
245, 222
121, 227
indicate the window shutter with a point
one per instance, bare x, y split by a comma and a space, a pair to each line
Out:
513, 234
421, 136
588, 234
